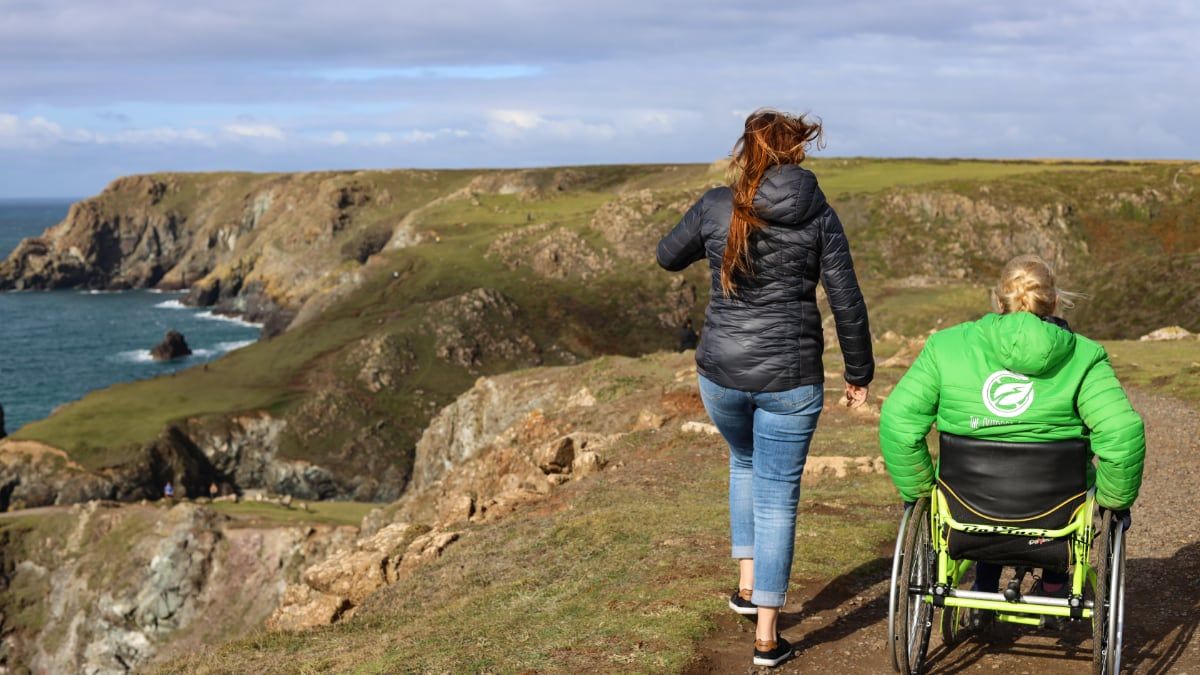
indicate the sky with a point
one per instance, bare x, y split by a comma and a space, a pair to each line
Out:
92, 90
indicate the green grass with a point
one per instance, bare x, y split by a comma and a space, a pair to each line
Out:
1169, 367
621, 573
266, 513
589, 318
843, 177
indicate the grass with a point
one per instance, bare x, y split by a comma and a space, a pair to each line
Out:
1169, 367
267, 514
621, 573
612, 313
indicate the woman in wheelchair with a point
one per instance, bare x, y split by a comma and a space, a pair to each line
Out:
1022, 404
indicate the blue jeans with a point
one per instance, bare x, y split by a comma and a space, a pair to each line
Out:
768, 435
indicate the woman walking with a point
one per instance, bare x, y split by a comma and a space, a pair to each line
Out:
769, 238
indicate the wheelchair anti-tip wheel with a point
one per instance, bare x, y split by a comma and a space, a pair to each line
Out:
910, 618
1108, 613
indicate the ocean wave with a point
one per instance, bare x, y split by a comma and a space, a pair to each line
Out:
171, 304
161, 291
234, 345
97, 292
204, 353
136, 356
228, 319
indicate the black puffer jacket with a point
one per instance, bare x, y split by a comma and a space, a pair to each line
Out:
768, 336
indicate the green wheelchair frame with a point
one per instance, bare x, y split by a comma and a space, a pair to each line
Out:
925, 577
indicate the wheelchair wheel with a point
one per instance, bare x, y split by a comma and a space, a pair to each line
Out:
914, 566
954, 627
1108, 614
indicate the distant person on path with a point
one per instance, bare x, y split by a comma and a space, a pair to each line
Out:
687, 336
1059, 386
213, 490
169, 490
769, 238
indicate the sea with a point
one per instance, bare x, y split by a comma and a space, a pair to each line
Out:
56, 346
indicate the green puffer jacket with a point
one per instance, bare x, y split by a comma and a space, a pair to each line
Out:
1014, 377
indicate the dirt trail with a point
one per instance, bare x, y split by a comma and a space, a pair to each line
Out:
840, 626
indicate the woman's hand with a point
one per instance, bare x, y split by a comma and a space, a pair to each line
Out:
855, 395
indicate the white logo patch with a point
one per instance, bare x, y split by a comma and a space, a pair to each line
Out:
1007, 394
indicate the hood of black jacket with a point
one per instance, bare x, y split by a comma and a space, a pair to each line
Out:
788, 195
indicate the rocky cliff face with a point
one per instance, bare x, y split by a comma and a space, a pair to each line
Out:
101, 588
508, 442
259, 245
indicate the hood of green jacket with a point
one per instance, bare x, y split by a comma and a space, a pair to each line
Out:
1026, 344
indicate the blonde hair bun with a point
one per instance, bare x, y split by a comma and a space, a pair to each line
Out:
1027, 285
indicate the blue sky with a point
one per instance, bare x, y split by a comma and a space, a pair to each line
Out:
93, 90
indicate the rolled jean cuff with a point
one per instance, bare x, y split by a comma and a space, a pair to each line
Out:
743, 552
768, 598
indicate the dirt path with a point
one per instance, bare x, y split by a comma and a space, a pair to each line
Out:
840, 626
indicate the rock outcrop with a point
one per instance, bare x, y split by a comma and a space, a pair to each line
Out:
102, 588
1167, 333
173, 346
487, 454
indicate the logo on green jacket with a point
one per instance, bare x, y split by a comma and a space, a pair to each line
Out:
1007, 394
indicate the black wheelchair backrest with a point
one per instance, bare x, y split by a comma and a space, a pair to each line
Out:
1003, 480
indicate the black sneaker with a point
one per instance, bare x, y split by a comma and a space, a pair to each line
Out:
740, 602
1064, 591
772, 653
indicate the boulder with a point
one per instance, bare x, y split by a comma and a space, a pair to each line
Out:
1167, 333
587, 463
3, 431
173, 346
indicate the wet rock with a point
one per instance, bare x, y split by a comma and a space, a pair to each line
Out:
3, 429
173, 346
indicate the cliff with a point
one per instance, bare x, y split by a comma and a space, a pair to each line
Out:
103, 588
406, 286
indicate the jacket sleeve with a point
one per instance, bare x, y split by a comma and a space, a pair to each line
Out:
846, 301
908, 413
1118, 435
684, 244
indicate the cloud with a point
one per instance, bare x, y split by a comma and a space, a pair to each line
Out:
306, 84
254, 130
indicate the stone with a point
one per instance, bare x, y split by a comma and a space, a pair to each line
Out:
556, 456
173, 346
699, 428
581, 399
303, 607
586, 464
1167, 333
648, 419
455, 509
3, 430
423, 549
354, 576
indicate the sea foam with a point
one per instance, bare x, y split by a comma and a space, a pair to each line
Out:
229, 319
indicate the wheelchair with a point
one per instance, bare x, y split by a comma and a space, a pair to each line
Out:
1021, 505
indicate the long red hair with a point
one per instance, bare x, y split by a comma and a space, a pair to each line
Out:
771, 138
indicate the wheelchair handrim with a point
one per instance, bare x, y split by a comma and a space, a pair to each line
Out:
893, 595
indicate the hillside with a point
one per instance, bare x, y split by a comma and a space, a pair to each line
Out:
493, 377
624, 567
483, 272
